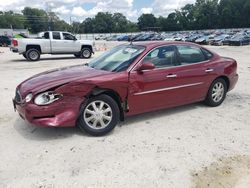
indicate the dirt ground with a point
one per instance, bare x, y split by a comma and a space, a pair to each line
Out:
190, 146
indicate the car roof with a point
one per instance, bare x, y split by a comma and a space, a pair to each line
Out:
153, 44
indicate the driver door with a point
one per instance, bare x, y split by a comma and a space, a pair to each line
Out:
148, 89
69, 43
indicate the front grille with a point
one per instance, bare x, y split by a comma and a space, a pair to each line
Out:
18, 96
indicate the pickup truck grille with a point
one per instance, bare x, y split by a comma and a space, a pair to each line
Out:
18, 96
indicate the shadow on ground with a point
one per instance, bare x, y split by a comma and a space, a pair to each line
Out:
31, 132
45, 59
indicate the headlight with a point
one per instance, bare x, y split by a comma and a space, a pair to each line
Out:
46, 98
28, 97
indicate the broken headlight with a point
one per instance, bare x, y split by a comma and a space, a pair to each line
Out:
46, 98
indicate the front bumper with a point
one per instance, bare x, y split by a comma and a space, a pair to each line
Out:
61, 113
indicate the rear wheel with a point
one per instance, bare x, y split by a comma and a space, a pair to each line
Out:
86, 53
33, 54
217, 93
99, 115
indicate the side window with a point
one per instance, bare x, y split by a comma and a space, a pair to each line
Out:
46, 35
67, 36
161, 57
208, 54
56, 36
189, 55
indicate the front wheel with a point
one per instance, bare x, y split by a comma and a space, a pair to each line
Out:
217, 93
24, 55
99, 115
86, 53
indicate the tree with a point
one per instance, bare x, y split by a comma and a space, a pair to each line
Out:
146, 20
36, 20
120, 23
103, 22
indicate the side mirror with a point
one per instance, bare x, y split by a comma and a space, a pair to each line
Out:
75, 38
145, 66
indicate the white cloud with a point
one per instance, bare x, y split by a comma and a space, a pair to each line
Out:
164, 7
61, 10
67, 8
146, 10
79, 11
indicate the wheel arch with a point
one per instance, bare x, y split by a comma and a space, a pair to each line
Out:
113, 94
226, 80
37, 47
87, 46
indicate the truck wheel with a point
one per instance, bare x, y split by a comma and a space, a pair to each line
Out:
99, 115
33, 54
86, 53
24, 55
77, 55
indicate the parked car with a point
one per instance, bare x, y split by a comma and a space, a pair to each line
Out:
112, 38
5, 41
123, 38
149, 76
52, 42
204, 39
239, 40
220, 40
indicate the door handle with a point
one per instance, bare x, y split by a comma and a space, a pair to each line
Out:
171, 76
209, 70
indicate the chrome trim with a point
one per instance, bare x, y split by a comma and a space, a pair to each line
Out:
209, 70
171, 76
168, 88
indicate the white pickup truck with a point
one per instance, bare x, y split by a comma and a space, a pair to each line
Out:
52, 42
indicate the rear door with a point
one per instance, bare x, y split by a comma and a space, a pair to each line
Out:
195, 71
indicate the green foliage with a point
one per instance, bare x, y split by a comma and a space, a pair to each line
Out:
203, 14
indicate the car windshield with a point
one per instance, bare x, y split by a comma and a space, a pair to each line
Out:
118, 59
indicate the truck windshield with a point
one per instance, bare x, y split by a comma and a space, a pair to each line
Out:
118, 59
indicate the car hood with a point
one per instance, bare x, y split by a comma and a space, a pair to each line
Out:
57, 77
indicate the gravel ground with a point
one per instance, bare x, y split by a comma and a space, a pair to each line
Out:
188, 146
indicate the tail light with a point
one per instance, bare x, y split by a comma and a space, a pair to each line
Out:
14, 42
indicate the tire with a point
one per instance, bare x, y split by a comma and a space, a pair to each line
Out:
33, 54
216, 93
95, 122
24, 55
86, 53
77, 55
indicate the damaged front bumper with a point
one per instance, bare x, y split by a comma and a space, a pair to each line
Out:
62, 113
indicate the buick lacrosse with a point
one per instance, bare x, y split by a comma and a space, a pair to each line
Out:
127, 80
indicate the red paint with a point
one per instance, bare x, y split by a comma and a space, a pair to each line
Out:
77, 82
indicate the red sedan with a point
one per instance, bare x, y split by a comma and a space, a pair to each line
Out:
127, 80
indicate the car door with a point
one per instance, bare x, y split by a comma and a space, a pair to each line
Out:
70, 43
186, 81
56, 43
195, 72
148, 89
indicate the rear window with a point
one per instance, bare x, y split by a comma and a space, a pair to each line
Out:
190, 55
56, 36
208, 54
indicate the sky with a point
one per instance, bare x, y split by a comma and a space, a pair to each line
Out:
78, 10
